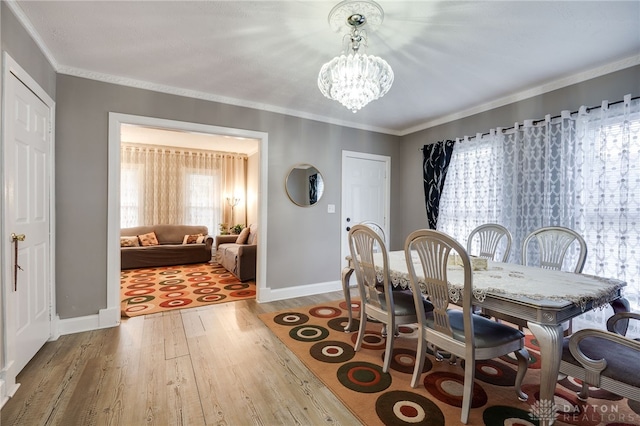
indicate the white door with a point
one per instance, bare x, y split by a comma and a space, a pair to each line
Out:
365, 192
27, 166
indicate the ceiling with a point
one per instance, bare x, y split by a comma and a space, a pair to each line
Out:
181, 139
450, 58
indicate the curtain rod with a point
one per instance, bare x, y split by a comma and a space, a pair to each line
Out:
181, 150
588, 110
534, 122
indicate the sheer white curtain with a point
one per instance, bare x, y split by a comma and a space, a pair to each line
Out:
163, 185
473, 192
579, 170
608, 184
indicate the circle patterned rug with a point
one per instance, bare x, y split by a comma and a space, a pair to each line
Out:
150, 290
315, 334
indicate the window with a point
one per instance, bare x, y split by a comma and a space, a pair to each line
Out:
165, 185
473, 189
579, 170
609, 201
131, 195
201, 206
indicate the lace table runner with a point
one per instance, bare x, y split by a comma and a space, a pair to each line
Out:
517, 281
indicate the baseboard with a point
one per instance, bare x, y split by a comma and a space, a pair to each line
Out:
271, 295
7, 388
110, 317
104, 319
3, 397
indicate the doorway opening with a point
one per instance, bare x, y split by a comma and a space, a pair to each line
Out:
258, 178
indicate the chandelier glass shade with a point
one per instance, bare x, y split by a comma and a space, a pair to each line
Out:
355, 79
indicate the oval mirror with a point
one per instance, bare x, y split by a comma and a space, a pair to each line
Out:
304, 185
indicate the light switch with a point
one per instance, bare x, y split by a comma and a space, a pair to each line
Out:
331, 208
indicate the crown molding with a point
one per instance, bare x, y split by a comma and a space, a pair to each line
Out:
516, 97
529, 93
172, 90
28, 26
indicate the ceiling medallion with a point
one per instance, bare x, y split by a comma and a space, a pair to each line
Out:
355, 79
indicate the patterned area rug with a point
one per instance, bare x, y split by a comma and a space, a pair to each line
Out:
149, 290
315, 335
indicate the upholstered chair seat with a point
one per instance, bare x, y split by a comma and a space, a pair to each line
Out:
622, 361
489, 333
604, 359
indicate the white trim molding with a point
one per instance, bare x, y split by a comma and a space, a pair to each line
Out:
529, 93
113, 216
105, 318
272, 295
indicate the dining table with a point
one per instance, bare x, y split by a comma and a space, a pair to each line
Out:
542, 298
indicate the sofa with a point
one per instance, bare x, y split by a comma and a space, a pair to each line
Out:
173, 245
237, 253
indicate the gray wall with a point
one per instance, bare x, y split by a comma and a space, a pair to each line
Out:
611, 87
303, 243
17, 42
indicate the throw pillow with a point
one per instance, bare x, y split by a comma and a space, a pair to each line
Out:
149, 239
243, 236
129, 242
253, 234
193, 239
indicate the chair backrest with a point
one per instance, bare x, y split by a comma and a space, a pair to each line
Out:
429, 250
553, 243
376, 227
372, 272
489, 236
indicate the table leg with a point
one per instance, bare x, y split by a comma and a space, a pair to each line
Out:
549, 339
621, 305
346, 275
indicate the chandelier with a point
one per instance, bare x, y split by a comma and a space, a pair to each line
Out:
355, 79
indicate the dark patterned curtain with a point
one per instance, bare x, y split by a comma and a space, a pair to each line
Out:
435, 161
313, 188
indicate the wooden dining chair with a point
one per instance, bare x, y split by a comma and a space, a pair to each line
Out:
553, 243
376, 227
547, 248
604, 359
488, 238
345, 283
377, 300
459, 332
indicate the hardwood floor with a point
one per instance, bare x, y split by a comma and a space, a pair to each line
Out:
214, 365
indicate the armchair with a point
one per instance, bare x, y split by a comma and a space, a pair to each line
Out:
238, 257
604, 359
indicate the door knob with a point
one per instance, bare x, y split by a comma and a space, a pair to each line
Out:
348, 219
17, 237
348, 228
